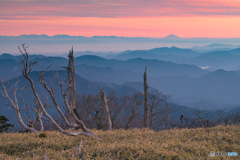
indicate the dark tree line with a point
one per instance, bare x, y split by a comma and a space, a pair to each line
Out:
202, 119
126, 111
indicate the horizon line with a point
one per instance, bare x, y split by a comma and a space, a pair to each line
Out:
169, 36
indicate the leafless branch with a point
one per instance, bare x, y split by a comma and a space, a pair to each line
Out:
14, 103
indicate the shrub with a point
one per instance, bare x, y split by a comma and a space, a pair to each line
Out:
42, 135
4, 127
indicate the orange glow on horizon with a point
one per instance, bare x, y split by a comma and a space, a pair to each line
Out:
186, 27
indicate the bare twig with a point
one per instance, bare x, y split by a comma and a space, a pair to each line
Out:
79, 147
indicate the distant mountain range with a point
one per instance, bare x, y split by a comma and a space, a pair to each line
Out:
59, 44
214, 47
227, 59
12, 66
165, 53
219, 87
180, 76
155, 67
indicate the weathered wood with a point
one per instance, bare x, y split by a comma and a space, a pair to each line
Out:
145, 98
72, 88
79, 147
107, 119
14, 103
82, 155
26, 70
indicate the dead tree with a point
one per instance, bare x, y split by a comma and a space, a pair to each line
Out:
159, 110
232, 118
14, 103
115, 106
156, 98
164, 119
206, 121
124, 111
72, 88
32, 123
90, 108
132, 106
26, 70
145, 98
181, 119
105, 110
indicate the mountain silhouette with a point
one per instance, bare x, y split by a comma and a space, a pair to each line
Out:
172, 37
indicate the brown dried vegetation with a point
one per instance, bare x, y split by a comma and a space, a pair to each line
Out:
125, 144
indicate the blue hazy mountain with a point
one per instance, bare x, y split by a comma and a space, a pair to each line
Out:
109, 71
172, 37
227, 60
107, 74
9, 68
214, 47
167, 54
17, 57
220, 87
155, 68
12, 66
78, 54
54, 61
188, 84
235, 51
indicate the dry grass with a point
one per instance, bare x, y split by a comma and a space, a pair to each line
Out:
120, 144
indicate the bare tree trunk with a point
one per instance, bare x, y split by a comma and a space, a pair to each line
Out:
181, 118
105, 110
145, 99
72, 93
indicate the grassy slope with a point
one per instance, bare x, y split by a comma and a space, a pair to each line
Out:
121, 144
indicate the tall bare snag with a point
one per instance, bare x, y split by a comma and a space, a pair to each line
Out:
145, 98
105, 110
72, 88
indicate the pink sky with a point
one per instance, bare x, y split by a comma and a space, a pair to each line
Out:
135, 18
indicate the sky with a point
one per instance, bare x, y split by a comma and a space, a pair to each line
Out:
135, 18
